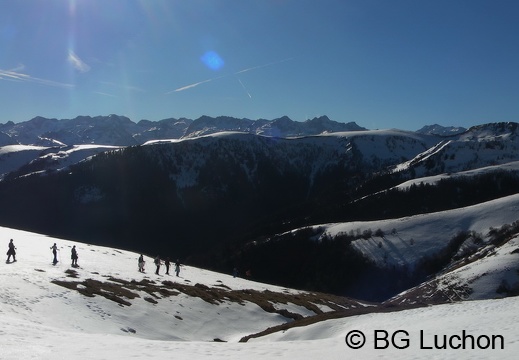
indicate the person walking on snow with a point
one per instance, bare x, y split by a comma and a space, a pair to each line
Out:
157, 263
141, 263
74, 256
54, 249
177, 267
167, 263
11, 251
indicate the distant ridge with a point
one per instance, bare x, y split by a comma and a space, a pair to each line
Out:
441, 130
119, 130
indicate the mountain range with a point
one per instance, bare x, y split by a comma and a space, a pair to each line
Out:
261, 195
121, 131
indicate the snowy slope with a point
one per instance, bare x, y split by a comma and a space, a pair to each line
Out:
42, 320
406, 240
30, 294
512, 166
481, 266
12, 157
418, 328
198, 305
490, 273
40, 158
480, 146
499, 267
366, 150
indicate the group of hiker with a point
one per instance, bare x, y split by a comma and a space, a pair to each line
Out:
73, 255
158, 262
11, 251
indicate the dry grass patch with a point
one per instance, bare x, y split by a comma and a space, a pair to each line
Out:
328, 316
108, 290
121, 291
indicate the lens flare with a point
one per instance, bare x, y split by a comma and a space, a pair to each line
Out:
212, 60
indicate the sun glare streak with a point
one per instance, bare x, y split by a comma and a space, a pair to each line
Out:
72, 8
72, 19
71, 35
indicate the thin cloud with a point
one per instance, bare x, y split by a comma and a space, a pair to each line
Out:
134, 88
122, 87
17, 76
105, 94
190, 86
18, 68
77, 63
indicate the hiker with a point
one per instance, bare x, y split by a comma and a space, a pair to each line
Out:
141, 263
54, 249
157, 263
167, 263
234, 272
73, 256
11, 251
177, 267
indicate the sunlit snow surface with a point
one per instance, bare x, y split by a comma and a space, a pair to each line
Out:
41, 320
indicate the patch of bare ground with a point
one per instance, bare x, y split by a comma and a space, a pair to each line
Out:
432, 292
329, 316
91, 288
122, 291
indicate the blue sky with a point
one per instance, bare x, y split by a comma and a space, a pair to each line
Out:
381, 63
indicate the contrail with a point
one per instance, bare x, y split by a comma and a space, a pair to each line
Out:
195, 84
236, 73
262, 66
17, 76
243, 86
